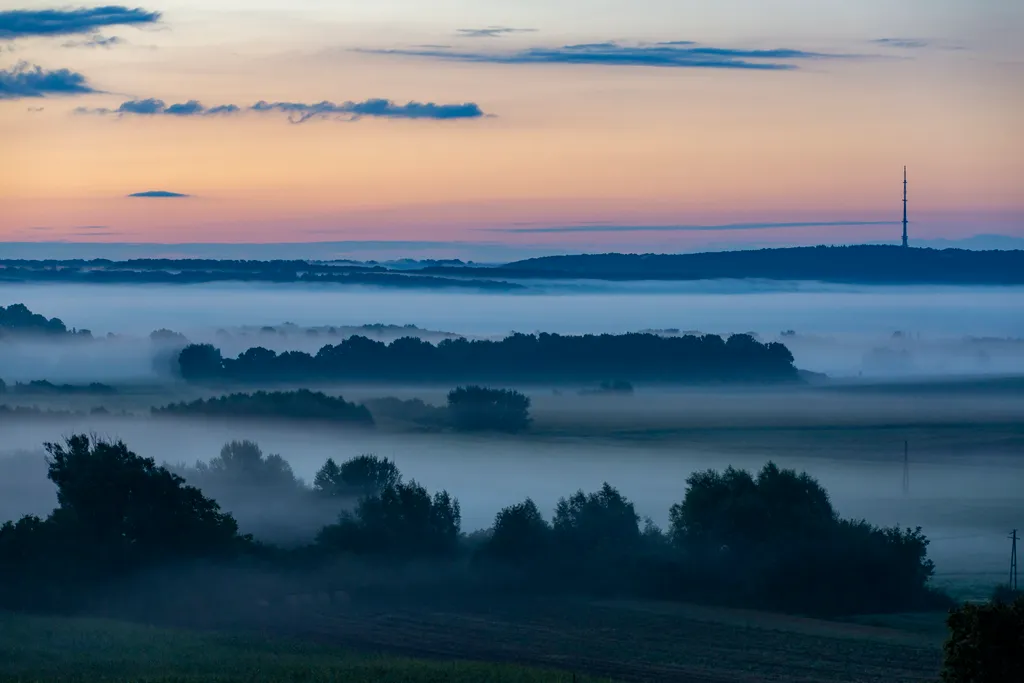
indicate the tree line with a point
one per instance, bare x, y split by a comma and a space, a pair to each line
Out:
17, 319
769, 539
523, 357
471, 408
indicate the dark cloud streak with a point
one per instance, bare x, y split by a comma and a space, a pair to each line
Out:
298, 112
28, 81
158, 194
675, 54
57, 22
378, 108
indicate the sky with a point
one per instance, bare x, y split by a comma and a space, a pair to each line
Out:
662, 125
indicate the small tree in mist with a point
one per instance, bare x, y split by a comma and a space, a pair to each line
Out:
364, 475
200, 362
986, 643
402, 521
243, 463
479, 409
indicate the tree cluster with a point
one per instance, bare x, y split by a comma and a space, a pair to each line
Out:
117, 513
520, 357
469, 408
296, 405
17, 319
768, 540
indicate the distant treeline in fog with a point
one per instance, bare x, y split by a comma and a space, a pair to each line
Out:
519, 357
867, 264
471, 408
196, 271
770, 539
18, 320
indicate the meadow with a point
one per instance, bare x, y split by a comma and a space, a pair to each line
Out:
52, 649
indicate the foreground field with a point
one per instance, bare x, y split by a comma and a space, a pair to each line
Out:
38, 649
635, 641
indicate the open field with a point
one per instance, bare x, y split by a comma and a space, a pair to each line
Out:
42, 649
631, 640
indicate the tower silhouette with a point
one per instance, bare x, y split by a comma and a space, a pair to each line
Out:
905, 207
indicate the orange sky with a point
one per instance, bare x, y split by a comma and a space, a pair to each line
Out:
567, 144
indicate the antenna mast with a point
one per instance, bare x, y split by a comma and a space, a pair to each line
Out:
905, 207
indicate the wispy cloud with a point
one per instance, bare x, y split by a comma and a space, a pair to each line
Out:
58, 22
908, 43
158, 194
95, 233
155, 107
378, 108
95, 40
492, 31
297, 112
690, 228
673, 54
24, 80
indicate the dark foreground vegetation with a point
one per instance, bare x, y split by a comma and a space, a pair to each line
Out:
769, 540
986, 642
519, 357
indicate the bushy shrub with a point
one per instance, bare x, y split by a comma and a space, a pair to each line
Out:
986, 643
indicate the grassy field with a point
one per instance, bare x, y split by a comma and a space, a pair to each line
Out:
47, 649
636, 640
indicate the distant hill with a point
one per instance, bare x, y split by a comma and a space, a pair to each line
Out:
867, 264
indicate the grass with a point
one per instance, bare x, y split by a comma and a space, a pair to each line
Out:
44, 649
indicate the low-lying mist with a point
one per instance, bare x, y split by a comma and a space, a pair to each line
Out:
966, 502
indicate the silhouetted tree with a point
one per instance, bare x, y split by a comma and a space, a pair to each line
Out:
477, 408
364, 475
775, 539
125, 511
520, 535
402, 521
986, 643
200, 362
603, 523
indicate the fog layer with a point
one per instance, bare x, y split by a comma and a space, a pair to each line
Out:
842, 331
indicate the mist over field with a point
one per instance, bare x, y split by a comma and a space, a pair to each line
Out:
845, 331
965, 482
965, 467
